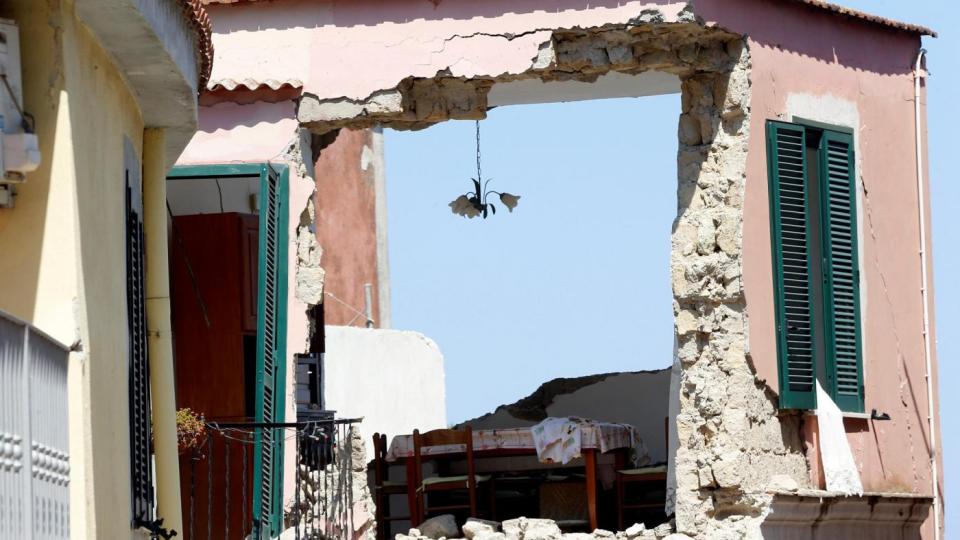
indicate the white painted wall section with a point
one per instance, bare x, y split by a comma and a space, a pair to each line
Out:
393, 379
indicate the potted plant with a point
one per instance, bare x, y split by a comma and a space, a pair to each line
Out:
191, 431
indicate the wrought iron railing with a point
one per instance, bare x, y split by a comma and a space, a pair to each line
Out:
217, 481
34, 458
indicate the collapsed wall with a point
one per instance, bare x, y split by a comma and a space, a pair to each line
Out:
731, 440
637, 398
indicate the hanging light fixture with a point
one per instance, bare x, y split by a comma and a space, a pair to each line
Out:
475, 203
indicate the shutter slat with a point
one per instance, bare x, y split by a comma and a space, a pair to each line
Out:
786, 155
841, 286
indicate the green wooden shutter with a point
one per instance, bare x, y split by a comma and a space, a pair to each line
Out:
271, 351
786, 159
138, 377
841, 270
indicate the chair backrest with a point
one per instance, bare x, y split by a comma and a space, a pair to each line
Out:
379, 458
442, 437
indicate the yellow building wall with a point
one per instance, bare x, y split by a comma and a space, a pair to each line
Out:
62, 250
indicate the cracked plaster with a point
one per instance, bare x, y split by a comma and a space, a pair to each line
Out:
732, 441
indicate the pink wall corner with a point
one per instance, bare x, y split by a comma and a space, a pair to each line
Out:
797, 55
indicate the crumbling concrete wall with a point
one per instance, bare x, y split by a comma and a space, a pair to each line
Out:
731, 440
638, 398
333, 501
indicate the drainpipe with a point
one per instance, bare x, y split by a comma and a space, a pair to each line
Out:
921, 202
160, 344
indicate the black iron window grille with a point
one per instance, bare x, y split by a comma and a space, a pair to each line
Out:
139, 370
143, 502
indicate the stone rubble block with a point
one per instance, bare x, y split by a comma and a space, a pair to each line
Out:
442, 526
531, 529
475, 527
783, 484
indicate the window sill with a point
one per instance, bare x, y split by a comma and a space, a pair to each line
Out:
854, 415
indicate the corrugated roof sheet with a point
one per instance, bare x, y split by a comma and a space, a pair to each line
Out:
252, 84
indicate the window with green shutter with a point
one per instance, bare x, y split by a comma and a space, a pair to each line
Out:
816, 270
271, 349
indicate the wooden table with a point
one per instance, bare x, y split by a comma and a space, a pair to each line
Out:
595, 436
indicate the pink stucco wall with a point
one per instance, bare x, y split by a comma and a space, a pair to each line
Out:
804, 59
816, 60
397, 39
805, 62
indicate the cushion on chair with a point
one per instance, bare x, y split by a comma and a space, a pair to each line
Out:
644, 470
394, 483
445, 479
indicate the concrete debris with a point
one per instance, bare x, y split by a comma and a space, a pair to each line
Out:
635, 530
442, 526
781, 483
577, 536
532, 529
479, 527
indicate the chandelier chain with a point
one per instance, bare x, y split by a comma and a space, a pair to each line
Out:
479, 178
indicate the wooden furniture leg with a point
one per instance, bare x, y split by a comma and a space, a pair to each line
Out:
590, 459
412, 483
620, 462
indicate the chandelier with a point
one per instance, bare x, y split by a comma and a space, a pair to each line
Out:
476, 203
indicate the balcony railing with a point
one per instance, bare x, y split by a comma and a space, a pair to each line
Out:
217, 481
34, 458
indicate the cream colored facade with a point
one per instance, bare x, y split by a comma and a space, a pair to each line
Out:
62, 246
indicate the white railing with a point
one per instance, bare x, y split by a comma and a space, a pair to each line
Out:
34, 458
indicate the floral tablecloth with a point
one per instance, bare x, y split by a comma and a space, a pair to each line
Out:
593, 434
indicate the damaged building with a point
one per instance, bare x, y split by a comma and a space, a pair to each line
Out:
802, 324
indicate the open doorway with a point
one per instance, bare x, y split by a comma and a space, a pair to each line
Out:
228, 230
566, 299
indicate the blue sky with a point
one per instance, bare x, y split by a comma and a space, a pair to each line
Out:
576, 280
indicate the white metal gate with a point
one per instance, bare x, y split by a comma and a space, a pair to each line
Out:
34, 459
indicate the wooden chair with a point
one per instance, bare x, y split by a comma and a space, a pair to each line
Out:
383, 488
423, 486
654, 475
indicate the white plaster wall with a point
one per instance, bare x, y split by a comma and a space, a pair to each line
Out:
393, 379
640, 399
